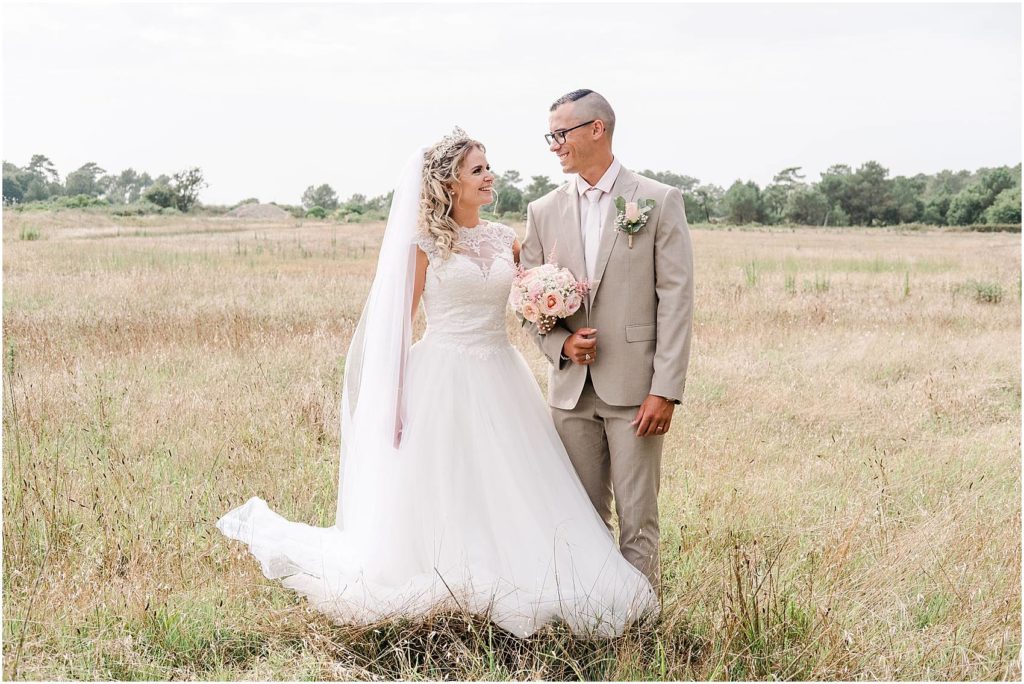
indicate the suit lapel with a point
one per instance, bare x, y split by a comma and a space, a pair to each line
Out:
568, 249
625, 185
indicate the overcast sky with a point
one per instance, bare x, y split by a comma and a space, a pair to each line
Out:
269, 99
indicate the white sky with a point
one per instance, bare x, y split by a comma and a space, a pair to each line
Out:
269, 99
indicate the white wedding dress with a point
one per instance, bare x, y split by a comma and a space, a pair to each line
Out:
479, 508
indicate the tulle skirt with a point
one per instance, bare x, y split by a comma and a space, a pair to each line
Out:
480, 511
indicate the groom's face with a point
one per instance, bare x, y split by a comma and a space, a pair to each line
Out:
577, 148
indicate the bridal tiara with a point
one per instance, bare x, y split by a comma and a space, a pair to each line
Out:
447, 143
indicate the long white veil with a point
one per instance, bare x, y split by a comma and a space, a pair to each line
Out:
372, 410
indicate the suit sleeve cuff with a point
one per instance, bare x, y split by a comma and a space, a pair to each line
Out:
553, 343
676, 397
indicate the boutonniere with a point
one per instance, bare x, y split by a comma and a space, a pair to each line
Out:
632, 216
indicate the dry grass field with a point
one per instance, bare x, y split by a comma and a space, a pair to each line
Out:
841, 489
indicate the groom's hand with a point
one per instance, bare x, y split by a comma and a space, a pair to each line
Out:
654, 416
581, 346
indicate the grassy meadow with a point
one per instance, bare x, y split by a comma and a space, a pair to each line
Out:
840, 495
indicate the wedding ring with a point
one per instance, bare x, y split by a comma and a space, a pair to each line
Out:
660, 428
587, 357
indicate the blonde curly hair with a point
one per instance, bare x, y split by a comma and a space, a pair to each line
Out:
441, 166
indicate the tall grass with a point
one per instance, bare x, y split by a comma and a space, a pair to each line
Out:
840, 492
820, 284
30, 233
750, 272
984, 292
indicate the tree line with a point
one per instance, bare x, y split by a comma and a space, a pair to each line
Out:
866, 196
90, 185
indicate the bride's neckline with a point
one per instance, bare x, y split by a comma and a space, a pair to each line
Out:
483, 222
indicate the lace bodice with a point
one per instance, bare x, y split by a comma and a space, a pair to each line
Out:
466, 294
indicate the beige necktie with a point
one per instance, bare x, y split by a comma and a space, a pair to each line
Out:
592, 231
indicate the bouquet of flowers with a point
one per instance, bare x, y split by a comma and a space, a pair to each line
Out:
545, 293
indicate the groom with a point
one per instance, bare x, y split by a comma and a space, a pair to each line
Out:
618, 365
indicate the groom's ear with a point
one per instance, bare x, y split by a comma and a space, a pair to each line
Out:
599, 129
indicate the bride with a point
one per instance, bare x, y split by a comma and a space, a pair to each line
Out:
455, 491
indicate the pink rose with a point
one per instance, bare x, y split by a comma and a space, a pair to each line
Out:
572, 304
632, 211
551, 304
530, 312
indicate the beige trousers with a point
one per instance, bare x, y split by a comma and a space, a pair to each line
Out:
609, 457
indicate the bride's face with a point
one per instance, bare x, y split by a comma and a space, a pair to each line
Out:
475, 185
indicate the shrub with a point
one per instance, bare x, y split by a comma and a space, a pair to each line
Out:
966, 207
293, 209
316, 212
984, 292
1005, 208
140, 208
80, 201
993, 228
161, 195
368, 216
838, 217
58, 203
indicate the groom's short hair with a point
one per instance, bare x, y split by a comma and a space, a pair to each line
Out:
589, 105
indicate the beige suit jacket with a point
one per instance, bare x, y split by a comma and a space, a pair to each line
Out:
641, 300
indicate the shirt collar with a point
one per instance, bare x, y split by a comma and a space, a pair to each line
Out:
606, 182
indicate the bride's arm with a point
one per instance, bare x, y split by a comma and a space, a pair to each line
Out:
419, 282
515, 250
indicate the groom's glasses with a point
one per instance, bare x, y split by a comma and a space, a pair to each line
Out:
559, 135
